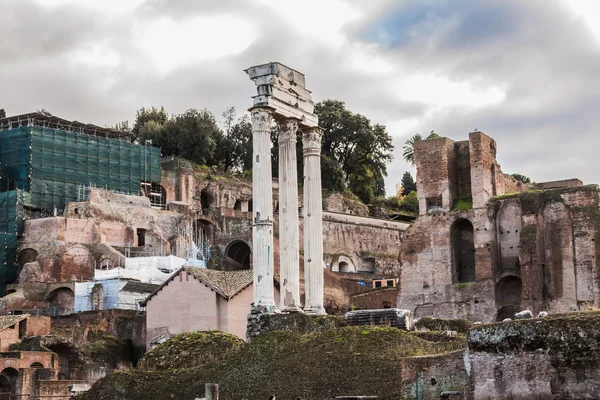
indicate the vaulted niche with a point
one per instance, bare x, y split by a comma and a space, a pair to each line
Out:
463, 251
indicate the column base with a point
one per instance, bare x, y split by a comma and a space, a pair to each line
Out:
315, 311
260, 309
293, 309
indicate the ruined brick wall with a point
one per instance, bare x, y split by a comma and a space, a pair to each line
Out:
463, 169
375, 299
428, 281
37, 325
533, 250
9, 336
551, 358
482, 151
428, 377
436, 165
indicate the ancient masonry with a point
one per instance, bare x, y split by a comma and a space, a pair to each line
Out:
282, 96
486, 246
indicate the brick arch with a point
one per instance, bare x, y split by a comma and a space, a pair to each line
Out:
343, 263
238, 255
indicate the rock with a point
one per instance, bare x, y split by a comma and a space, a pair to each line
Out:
542, 314
477, 323
450, 333
506, 320
525, 314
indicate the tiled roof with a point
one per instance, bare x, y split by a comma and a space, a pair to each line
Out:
140, 287
7, 321
226, 283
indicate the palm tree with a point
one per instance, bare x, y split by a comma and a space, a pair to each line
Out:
409, 148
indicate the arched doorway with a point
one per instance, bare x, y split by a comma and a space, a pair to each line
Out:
463, 251
508, 297
8, 382
62, 300
37, 365
237, 256
26, 256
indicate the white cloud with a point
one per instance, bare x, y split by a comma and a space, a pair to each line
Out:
170, 44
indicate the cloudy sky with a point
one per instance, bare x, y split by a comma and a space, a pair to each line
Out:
525, 72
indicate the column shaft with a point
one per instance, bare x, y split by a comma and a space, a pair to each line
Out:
262, 209
313, 222
289, 237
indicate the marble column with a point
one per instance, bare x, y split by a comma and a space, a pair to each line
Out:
262, 208
313, 221
289, 236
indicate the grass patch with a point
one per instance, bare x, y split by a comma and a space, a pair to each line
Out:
462, 203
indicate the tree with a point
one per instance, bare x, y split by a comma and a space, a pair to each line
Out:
192, 135
2, 113
408, 184
158, 115
352, 145
122, 126
234, 147
409, 148
521, 178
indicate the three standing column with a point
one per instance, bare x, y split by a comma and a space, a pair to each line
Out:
262, 205
289, 236
313, 221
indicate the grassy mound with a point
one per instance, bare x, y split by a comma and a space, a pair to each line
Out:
349, 360
439, 324
190, 350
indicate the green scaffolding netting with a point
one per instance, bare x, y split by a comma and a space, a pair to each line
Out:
47, 168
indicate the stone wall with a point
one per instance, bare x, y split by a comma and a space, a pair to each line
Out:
550, 358
375, 299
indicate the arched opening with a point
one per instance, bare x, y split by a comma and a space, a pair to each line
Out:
463, 251
237, 256
27, 255
8, 380
508, 297
37, 365
62, 301
344, 267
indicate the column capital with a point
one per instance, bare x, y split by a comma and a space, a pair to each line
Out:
261, 118
311, 140
287, 130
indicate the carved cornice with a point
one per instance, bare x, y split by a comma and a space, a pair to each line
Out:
311, 141
287, 130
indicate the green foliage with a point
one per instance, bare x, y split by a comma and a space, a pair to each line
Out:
234, 147
438, 324
143, 116
190, 350
2, 113
408, 184
409, 148
521, 178
411, 203
331, 363
462, 203
360, 149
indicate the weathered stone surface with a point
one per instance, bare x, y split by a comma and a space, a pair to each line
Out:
553, 358
525, 314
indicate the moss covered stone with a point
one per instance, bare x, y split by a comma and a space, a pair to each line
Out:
439, 324
289, 364
191, 350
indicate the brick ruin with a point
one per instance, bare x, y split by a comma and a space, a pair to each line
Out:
486, 246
